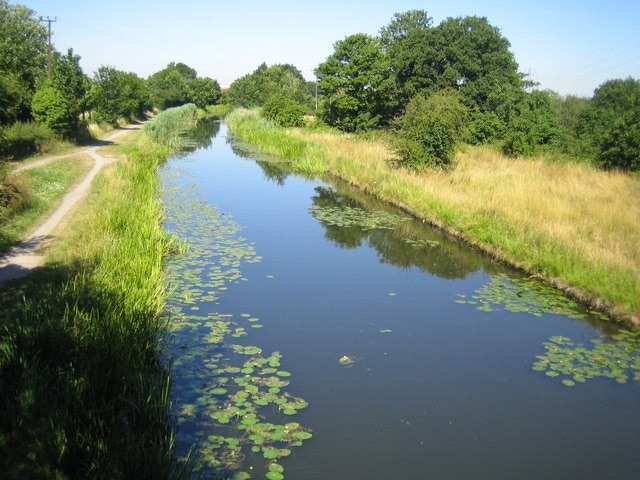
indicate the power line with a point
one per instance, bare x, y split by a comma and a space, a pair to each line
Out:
49, 22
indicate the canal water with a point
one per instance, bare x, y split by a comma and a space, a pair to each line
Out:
316, 333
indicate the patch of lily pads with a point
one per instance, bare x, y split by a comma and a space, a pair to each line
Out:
230, 398
616, 358
523, 295
346, 216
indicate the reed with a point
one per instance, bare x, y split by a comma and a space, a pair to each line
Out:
85, 393
573, 225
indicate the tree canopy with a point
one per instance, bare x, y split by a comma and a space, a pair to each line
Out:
255, 88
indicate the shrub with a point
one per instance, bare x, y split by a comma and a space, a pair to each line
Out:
621, 145
15, 193
429, 129
284, 111
50, 107
25, 138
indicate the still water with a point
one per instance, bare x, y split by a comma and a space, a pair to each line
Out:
401, 353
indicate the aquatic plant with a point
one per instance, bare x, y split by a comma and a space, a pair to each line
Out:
616, 358
228, 395
346, 216
523, 295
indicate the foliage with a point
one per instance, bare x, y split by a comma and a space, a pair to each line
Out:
613, 102
203, 92
25, 138
15, 196
621, 145
356, 84
118, 94
466, 54
403, 23
67, 76
50, 107
535, 125
429, 129
254, 89
168, 87
23, 47
284, 111
84, 392
169, 126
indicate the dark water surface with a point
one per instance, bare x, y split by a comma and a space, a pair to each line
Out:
439, 389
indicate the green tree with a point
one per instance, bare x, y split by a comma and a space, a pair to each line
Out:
255, 88
534, 127
23, 47
118, 94
356, 85
51, 108
284, 111
403, 23
427, 132
67, 76
467, 54
203, 91
611, 101
167, 88
620, 147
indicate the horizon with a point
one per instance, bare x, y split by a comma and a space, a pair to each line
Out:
572, 51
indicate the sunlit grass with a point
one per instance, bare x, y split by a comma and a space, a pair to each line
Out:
573, 225
85, 394
46, 186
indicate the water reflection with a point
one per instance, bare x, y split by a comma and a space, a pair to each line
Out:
409, 244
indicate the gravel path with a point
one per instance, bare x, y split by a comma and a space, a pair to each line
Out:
21, 259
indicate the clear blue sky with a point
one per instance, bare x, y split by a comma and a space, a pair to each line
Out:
570, 46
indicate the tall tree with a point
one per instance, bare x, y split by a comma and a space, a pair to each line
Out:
203, 91
119, 94
355, 81
467, 54
255, 88
68, 77
23, 57
403, 23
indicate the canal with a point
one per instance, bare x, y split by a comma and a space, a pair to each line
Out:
316, 333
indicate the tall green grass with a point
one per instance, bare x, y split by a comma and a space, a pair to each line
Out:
84, 392
169, 126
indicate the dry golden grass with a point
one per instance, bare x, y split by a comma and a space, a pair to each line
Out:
568, 222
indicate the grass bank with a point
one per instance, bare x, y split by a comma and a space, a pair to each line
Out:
83, 393
572, 225
33, 193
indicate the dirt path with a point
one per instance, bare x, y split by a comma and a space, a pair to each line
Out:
22, 258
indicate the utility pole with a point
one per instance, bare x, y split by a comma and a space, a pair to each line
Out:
49, 22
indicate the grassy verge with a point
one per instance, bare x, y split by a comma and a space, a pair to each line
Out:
83, 393
42, 190
572, 225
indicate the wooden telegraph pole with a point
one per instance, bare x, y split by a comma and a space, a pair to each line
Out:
49, 22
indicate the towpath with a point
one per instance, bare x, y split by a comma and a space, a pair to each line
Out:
23, 258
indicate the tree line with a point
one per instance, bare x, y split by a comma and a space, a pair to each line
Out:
438, 85
46, 96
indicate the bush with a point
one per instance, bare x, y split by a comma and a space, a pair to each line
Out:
284, 111
621, 145
23, 139
50, 107
429, 129
15, 193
